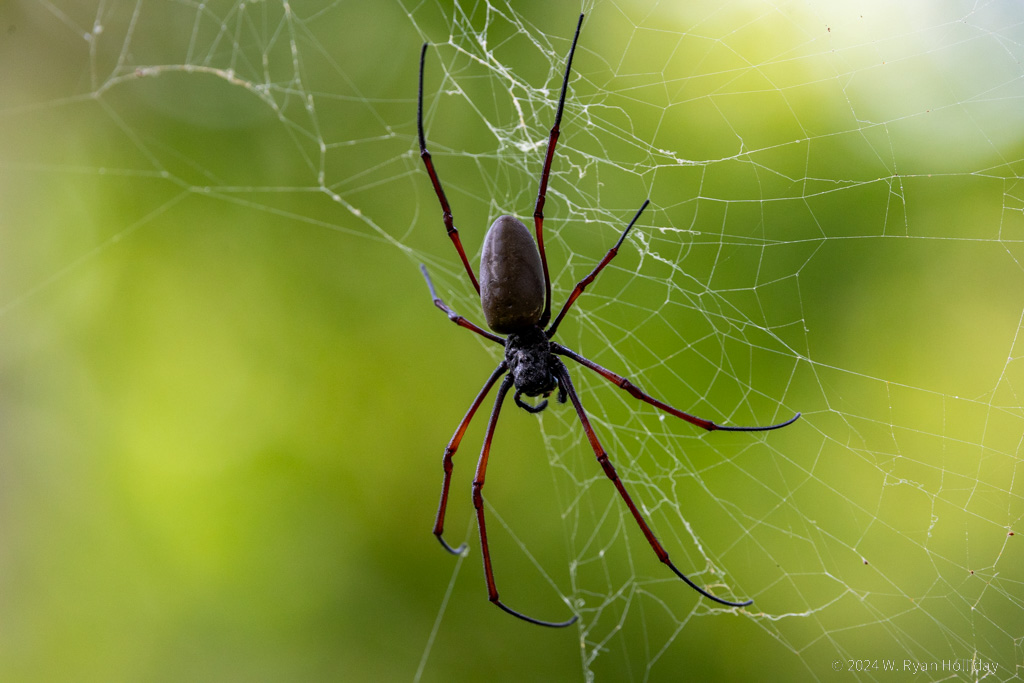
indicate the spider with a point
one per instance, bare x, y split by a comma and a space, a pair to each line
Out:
515, 294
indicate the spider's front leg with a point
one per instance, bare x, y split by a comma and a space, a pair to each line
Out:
478, 504
602, 457
449, 454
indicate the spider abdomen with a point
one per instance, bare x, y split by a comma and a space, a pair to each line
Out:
511, 277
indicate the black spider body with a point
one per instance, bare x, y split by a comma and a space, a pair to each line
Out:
532, 366
512, 299
515, 295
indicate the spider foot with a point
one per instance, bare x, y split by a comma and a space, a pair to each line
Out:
758, 429
461, 550
703, 592
538, 622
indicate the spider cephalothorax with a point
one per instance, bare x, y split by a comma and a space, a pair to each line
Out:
529, 359
515, 294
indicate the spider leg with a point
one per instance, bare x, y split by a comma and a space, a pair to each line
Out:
455, 317
635, 392
538, 211
446, 211
582, 284
602, 457
478, 503
449, 453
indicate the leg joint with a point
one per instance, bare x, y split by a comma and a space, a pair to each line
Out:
607, 466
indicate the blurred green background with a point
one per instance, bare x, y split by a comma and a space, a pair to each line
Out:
224, 393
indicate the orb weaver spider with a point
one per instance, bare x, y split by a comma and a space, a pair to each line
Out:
515, 294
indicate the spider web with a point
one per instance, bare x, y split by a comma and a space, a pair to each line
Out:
836, 228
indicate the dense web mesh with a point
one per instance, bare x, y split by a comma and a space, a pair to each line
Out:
836, 228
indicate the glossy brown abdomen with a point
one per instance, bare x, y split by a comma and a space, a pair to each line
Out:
511, 277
